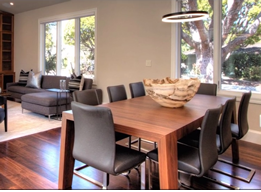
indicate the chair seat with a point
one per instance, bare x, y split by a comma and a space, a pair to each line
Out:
127, 159
188, 158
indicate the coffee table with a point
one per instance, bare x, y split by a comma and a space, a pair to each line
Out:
58, 97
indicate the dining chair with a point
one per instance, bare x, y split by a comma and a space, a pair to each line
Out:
195, 161
223, 136
137, 90
94, 143
88, 96
207, 89
238, 131
3, 111
118, 93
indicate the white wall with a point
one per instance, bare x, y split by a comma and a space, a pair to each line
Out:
129, 32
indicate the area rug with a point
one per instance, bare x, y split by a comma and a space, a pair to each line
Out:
26, 123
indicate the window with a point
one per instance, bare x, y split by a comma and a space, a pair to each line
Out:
227, 51
68, 44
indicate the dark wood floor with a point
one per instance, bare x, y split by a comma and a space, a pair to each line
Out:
32, 162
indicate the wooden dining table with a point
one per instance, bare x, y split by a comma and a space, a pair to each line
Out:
144, 118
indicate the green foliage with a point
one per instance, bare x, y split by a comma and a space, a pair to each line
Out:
50, 58
243, 66
87, 39
50, 63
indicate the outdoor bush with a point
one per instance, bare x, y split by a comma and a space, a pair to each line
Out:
243, 66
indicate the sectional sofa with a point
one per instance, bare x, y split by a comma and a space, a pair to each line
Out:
42, 100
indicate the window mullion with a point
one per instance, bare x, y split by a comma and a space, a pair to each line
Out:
217, 42
77, 45
59, 48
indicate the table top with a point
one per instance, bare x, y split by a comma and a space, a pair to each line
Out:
145, 118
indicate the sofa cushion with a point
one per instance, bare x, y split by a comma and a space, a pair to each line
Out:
23, 77
34, 80
76, 83
46, 98
24, 90
50, 81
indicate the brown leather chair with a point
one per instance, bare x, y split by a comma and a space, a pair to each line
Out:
88, 96
196, 161
118, 93
137, 90
207, 89
238, 131
223, 136
94, 143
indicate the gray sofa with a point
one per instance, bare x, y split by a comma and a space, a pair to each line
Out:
42, 100
16, 90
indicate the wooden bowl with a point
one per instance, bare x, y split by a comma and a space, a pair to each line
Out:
171, 92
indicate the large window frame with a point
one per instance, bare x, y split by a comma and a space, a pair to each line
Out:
176, 53
57, 18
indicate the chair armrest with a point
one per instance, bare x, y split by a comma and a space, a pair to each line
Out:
12, 84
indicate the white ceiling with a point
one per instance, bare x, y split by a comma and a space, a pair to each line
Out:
26, 5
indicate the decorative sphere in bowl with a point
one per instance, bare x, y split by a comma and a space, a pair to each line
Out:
171, 92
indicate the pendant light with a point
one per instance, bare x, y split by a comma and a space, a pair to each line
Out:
184, 16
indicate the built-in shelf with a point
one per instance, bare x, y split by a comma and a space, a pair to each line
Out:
7, 49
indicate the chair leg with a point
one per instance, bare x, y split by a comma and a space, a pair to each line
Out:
185, 181
149, 172
106, 180
249, 177
87, 178
235, 151
139, 144
6, 124
221, 183
143, 176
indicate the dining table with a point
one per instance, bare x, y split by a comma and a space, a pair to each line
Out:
144, 118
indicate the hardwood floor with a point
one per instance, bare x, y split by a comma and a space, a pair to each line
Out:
32, 162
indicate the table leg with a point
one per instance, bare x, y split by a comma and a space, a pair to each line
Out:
66, 165
168, 162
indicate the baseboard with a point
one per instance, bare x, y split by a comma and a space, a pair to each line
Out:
253, 137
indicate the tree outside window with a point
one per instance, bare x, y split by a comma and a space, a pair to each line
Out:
240, 40
72, 52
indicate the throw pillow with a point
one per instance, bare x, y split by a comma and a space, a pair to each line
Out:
34, 80
76, 83
23, 77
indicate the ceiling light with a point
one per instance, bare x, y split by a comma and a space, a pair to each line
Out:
184, 16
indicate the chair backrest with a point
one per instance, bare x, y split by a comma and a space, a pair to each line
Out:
242, 114
88, 97
94, 139
207, 89
116, 93
137, 89
224, 127
207, 140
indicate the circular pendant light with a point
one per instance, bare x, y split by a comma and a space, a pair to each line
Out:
184, 16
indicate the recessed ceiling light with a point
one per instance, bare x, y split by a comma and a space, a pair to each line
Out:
11, 3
